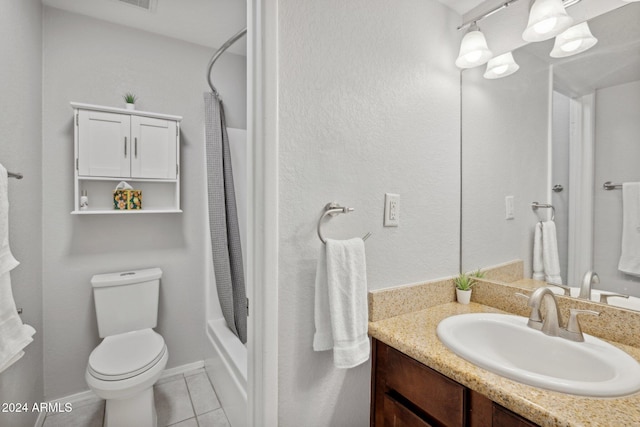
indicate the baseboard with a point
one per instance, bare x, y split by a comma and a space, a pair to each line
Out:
182, 369
88, 395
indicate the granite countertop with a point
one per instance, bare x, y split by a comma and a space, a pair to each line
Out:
414, 334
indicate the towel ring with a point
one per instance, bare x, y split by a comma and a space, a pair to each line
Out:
536, 205
334, 209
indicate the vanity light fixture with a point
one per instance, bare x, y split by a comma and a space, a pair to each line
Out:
547, 19
473, 49
501, 66
575, 40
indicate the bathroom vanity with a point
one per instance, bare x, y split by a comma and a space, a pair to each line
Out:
417, 381
406, 392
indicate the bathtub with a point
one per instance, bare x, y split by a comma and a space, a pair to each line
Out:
226, 365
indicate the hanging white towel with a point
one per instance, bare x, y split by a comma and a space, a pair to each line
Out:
7, 261
550, 256
630, 256
546, 260
538, 266
14, 336
341, 310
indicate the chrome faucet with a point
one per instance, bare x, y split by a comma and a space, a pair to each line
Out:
551, 322
590, 278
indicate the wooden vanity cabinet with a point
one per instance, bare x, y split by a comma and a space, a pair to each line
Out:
406, 393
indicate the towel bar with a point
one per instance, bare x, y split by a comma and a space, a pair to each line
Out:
611, 186
334, 209
536, 205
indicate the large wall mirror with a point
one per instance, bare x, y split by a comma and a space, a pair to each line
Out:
553, 133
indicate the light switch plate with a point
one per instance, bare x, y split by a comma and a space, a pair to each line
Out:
391, 210
508, 206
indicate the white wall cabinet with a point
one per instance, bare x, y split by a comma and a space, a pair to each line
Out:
115, 144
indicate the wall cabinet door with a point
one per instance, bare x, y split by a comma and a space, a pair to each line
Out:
104, 144
154, 149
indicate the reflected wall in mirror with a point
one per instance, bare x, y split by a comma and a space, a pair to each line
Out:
572, 123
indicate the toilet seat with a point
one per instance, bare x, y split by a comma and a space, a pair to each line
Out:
127, 355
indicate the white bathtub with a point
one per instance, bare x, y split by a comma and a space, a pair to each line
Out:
226, 365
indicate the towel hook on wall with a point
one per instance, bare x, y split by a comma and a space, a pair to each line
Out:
334, 209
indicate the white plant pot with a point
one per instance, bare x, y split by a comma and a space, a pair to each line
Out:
130, 106
463, 296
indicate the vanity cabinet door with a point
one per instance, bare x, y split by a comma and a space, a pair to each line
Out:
428, 394
104, 144
154, 148
503, 417
398, 415
406, 393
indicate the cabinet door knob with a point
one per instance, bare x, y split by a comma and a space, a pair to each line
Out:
125, 146
136, 146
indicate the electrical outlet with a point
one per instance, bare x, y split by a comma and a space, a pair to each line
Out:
391, 210
508, 207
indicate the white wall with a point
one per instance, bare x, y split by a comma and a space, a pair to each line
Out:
87, 60
368, 103
20, 151
617, 152
504, 153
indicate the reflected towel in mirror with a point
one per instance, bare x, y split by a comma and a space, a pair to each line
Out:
546, 260
630, 254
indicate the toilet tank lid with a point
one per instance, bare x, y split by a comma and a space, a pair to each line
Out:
125, 277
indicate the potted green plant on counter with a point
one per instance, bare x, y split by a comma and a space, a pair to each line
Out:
464, 282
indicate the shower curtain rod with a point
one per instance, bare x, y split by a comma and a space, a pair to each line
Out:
219, 52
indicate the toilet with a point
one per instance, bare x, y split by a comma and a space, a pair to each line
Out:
123, 368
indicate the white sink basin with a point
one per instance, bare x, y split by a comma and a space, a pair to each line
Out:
505, 345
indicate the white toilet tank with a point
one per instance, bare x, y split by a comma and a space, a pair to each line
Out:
126, 301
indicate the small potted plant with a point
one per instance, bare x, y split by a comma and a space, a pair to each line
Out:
130, 99
464, 282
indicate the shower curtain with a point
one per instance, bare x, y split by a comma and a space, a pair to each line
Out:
223, 219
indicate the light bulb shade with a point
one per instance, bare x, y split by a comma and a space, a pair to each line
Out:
547, 19
573, 41
501, 66
473, 50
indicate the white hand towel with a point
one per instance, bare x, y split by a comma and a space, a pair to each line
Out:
341, 310
550, 256
14, 336
323, 338
7, 261
538, 266
630, 255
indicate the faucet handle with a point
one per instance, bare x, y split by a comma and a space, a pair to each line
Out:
567, 289
604, 298
535, 315
573, 326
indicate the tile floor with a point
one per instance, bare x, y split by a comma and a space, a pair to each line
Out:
183, 400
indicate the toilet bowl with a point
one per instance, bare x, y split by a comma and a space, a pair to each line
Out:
123, 368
